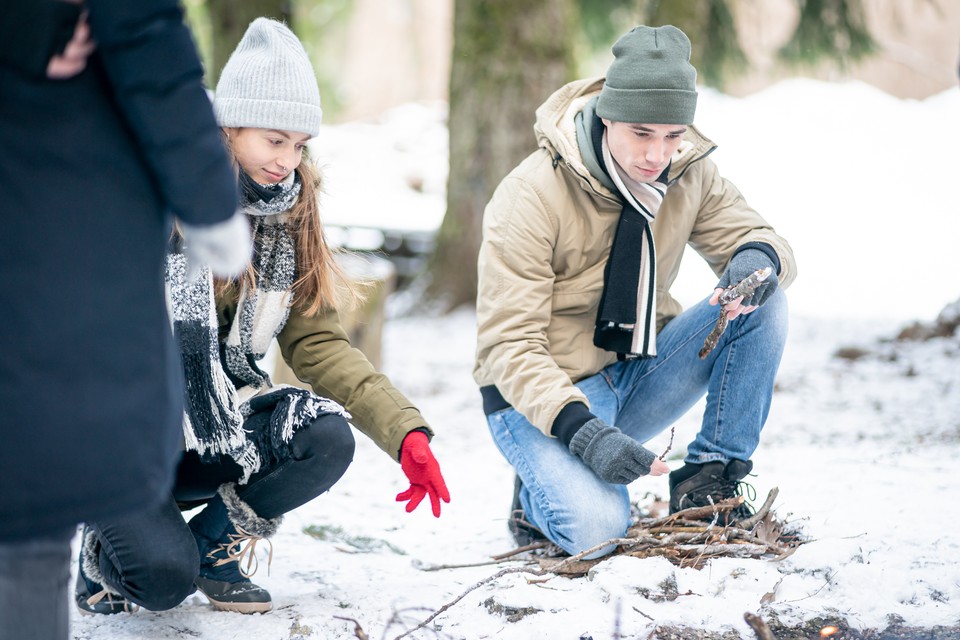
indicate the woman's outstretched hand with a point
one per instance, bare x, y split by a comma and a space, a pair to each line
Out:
423, 471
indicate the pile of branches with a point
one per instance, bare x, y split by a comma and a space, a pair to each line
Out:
691, 537
687, 538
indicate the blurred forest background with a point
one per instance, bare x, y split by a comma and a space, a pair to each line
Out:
494, 61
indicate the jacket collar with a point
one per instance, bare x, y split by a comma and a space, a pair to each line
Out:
557, 131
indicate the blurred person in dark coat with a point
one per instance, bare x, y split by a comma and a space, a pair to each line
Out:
101, 145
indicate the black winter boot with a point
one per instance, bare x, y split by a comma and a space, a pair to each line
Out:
700, 485
523, 532
227, 531
92, 594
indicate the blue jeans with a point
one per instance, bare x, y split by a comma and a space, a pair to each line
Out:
567, 501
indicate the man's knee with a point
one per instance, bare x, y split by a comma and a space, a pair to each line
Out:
776, 309
767, 322
591, 529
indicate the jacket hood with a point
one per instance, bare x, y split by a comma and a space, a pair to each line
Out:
555, 129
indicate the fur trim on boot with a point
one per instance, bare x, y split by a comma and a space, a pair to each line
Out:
227, 532
243, 517
90, 561
91, 593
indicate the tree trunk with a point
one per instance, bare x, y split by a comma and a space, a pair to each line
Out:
834, 29
229, 20
508, 57
716, 51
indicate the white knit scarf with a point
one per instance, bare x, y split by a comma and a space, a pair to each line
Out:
644, 198
222, 393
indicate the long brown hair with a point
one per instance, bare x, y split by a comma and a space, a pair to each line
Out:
321, 283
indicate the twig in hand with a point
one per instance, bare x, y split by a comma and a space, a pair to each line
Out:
669, 444
710, 342
744, 288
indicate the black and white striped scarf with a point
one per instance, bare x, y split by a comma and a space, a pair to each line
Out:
627, 317
224, 388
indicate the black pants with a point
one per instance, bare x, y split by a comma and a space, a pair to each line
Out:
151, 557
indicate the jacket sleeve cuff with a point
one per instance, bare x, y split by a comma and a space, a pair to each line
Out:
765, 248
569, 420
424, 430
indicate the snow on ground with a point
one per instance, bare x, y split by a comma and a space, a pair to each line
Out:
864, 452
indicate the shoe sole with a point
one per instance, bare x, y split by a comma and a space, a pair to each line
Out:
87, 612
239, 602
241, 607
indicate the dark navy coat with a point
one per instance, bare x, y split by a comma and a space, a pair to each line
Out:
91, 169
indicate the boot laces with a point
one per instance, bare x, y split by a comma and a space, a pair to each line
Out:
103, 593
735, 488
725, 489
242, 547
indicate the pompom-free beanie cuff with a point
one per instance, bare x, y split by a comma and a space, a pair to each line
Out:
647, 106
269, 114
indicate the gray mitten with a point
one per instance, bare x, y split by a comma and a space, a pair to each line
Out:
741, 265
226, 247
614, 456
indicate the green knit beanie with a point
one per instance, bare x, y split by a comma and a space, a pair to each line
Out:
651, 80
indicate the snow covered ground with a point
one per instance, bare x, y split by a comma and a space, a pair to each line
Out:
864, 452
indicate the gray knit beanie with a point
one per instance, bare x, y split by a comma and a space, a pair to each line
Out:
268, 83
650, 80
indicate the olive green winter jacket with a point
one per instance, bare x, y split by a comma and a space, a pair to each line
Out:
547, 233
319, 352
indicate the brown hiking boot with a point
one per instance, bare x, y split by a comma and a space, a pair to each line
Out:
702, 485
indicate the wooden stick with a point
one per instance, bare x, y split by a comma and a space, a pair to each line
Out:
679, 522
759, 626
675, 538
509, 570
527, 547
655, 551
649, 538
702, 528
750, 522
357, 629
468, 565
743, 550
699, 513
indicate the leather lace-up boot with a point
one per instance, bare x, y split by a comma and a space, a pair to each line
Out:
701, 485
227, 532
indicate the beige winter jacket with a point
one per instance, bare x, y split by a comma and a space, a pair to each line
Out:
547, 233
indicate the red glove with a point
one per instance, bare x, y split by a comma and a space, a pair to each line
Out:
422, 469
